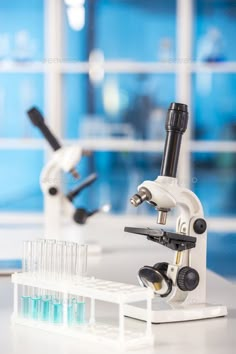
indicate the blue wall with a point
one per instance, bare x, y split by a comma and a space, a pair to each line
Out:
127, 30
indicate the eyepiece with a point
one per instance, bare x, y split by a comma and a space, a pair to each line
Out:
176, 125
177, 117
37, 119
178, 107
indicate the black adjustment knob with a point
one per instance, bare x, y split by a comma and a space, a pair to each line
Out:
200, 226
80, 216
188, 279
53, 191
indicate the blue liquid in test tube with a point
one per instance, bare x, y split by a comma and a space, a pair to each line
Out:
70, 312
25, 306
35, 307
45, 308
80, 313
57, 311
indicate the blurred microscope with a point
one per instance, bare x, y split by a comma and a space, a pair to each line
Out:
59, 209
179, 286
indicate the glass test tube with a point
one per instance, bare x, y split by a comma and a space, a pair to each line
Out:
71, 249
48, 274
58, 271
81, 269
26, 263
35, 271
45, 299
49, 258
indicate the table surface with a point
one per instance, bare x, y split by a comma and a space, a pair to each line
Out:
205, 336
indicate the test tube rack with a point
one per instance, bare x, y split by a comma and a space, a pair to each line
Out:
92, 289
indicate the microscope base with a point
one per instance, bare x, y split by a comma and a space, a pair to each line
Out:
163, 312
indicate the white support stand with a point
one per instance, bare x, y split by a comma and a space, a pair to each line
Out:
94, 289
164, 312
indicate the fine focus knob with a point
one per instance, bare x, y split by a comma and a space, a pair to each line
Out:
188, 279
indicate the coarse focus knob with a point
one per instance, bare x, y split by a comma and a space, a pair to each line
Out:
188, 279
80, 216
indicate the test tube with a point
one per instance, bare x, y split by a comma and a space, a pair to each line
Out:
70, 267
26, 263
71, 310
81, 269
70, 261
49, 258
36, 268
47, 273
45, 298
81, 260
58, 271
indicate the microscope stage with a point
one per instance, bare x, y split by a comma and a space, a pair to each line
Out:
164, 312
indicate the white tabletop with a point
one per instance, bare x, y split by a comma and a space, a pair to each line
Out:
206, 336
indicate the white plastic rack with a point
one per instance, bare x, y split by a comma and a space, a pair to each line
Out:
93, 289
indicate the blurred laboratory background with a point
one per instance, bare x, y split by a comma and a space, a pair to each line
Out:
104, 72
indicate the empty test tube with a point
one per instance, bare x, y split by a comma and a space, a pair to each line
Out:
59, 264
81, 260
49, 258
70, 260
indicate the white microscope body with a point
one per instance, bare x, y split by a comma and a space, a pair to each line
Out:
180, 286
57, 208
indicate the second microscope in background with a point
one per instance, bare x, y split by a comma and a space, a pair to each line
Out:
59, 208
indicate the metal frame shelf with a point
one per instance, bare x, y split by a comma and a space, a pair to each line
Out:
117, 144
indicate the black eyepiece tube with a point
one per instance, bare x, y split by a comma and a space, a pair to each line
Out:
176, 125
37, 119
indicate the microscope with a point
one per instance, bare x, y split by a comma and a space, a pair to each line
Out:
64, 159
179, 286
